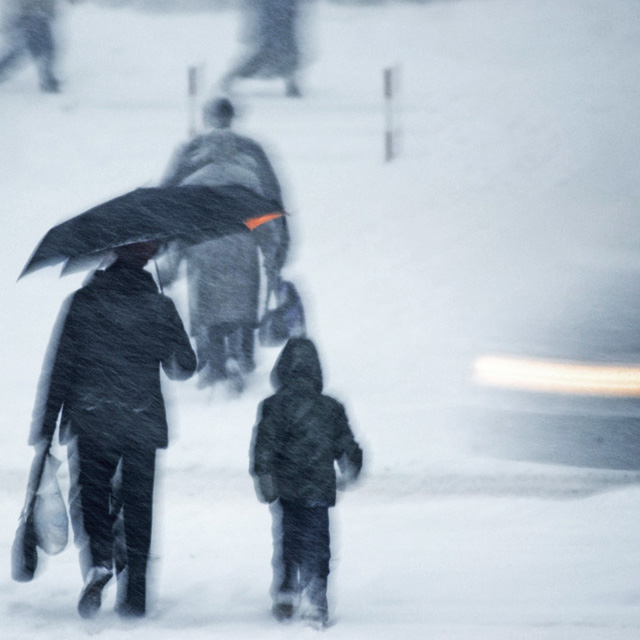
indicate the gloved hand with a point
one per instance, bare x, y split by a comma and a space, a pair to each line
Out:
266, 488
350, 468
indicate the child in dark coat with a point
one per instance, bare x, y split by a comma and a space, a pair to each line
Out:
300, 435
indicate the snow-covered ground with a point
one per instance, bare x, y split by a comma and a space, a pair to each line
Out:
519, 139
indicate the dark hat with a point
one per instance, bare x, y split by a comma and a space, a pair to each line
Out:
137, 253
218, 109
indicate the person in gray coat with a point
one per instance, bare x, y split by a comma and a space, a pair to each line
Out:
27, 25
223, 275
301, 433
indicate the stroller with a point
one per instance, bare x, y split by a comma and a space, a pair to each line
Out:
286, 320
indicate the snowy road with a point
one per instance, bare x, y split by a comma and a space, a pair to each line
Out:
459, 556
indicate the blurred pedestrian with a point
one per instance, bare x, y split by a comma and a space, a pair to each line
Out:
28, 30
300, 434
273, 40
224, 274
103, 376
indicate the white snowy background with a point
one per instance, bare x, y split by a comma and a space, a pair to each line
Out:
520, 131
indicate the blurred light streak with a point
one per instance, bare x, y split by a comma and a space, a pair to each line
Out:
554, 376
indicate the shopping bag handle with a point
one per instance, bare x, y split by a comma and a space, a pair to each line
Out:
272, 286
35, 477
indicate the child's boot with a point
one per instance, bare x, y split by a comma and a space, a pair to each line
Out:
317, 613
285, 604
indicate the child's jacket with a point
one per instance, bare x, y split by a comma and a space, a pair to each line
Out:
301, 432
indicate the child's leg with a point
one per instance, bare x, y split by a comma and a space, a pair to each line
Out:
291, 545
314, 568
314, 562
286, 560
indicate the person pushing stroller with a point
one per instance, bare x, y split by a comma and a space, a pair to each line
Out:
224, 274
300, 434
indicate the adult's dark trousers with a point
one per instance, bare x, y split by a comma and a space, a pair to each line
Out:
305, 550
98, 462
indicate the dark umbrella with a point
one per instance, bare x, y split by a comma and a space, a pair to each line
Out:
189, 213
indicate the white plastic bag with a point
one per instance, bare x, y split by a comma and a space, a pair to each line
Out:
50, 512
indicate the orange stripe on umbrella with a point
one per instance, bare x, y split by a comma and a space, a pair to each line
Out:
254, 223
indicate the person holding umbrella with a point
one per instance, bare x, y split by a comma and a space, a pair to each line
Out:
103, 377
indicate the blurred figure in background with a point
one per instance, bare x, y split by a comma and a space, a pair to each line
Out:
224, 274
103, 375
300, 434
27, 26
273, 41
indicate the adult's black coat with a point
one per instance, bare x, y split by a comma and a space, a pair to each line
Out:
301, 433
103, 369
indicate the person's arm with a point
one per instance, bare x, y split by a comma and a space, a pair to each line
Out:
272, 237
264, 170
179, 361
262, 451
56, 377
348, 452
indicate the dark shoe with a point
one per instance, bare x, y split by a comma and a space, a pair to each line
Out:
282, 612
129, 611
50, 85
285, 604
247, 365
91, 595
292, 89
131, 600
209, 376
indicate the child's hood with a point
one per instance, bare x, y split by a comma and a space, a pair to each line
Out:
297, 366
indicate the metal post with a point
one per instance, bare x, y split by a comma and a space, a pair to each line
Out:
192, 94
389, 147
